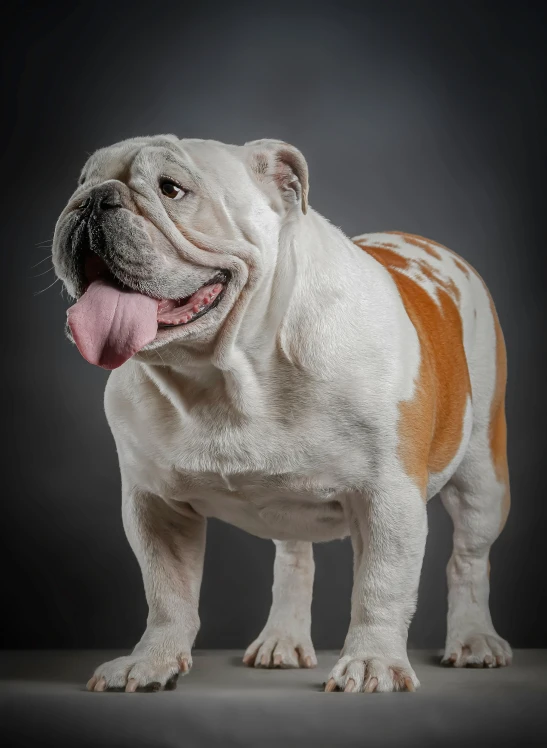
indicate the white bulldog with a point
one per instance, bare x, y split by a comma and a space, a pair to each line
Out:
272, 373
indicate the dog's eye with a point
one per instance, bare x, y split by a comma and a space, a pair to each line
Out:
171, 190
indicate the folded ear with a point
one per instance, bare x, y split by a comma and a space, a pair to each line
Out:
274, 160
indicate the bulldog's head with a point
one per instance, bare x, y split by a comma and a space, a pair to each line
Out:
163, 236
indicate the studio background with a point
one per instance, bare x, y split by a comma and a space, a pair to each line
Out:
422, 117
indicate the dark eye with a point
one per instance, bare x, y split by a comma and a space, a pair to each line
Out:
171, 190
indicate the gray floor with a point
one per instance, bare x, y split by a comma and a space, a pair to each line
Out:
222, 703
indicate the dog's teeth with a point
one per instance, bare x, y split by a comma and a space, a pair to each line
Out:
198, 307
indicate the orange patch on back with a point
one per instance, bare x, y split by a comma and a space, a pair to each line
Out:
452, 288
498, 425
431, 423
387, 256
461, 266
432, 252
421, 242
447, 283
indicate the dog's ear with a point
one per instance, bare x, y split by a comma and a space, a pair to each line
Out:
274, 160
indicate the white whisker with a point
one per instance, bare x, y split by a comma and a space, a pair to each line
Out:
40, 262
44, 273
48, 287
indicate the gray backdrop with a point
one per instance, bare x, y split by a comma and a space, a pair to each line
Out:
423, 117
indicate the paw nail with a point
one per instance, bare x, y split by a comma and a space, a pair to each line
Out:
277, 660
371, 685
100, 685
350, 685
308, 662
331, 685
409, 685
132, 685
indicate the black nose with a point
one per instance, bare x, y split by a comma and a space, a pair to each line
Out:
106, 197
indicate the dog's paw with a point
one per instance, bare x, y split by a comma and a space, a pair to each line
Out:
368, 674
477, 650
139, 672
280, 650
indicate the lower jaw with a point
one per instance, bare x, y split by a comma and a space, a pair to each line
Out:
162, 327
222, 278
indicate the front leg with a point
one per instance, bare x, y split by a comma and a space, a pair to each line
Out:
388, 531
168, 540
285, 640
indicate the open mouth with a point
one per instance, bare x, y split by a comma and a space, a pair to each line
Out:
171, 312
174, 313
111, 321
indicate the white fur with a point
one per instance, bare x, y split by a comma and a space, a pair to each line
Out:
278, 413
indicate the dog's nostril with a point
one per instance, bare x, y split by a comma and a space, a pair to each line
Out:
84, 204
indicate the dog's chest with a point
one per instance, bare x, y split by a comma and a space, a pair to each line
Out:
271, 481
280, 505
284, 472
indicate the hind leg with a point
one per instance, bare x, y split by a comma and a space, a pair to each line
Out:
477, 499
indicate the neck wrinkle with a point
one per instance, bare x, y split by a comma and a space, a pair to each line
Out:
238, 357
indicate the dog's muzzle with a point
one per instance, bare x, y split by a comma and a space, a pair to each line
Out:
118, 313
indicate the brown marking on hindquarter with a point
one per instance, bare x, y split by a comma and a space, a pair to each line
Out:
421, 242
431, 423
497, 431
428, 244
460, 266
498, 424
446, 283
389, 258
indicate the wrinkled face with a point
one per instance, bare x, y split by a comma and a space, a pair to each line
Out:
161, 237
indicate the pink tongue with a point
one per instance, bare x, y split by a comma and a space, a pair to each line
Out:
109, 325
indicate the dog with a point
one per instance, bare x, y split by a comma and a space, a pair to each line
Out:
270, 372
